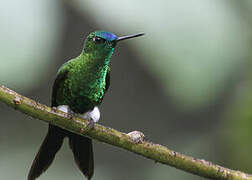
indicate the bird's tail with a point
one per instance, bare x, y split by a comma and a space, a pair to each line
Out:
83, 153
81, 146
50, 146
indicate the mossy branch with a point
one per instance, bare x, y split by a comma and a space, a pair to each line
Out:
156, 152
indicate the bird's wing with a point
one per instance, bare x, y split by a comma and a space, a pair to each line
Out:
61, 76
107, 80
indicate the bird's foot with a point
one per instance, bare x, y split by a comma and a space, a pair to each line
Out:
91, 123
136, 136
93, 116
66, 109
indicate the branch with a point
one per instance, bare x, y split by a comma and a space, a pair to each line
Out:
156, 152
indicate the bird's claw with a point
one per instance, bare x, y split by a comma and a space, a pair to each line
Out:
66, 109
91, 123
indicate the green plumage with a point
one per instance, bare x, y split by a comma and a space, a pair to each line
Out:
81, 83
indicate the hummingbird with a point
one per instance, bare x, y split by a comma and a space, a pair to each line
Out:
78, 89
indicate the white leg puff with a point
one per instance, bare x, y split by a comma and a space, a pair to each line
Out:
64, 108
92, 115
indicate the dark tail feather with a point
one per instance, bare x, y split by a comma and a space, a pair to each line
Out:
47, 151
83, 154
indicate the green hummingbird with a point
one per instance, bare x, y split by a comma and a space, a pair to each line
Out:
79, 88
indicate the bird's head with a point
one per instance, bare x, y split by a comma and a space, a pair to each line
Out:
100, 43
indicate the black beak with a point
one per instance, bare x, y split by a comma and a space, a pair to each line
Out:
129, 36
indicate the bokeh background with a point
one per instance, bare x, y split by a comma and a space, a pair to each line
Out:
187, 84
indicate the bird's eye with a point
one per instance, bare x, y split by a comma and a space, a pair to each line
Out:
98, 40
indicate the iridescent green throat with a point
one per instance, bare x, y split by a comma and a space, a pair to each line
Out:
88, 77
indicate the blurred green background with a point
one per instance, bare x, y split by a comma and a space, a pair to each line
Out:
187, 84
